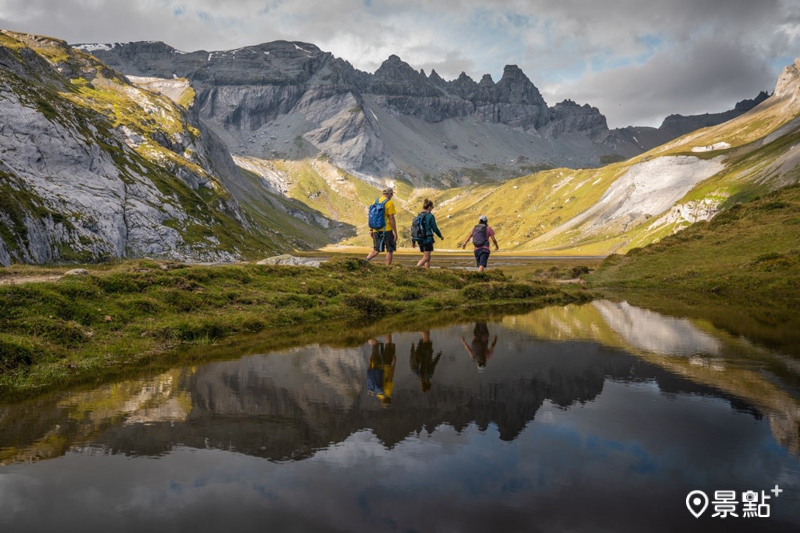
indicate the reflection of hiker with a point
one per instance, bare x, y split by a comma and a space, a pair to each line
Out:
479, 350
382, 226
422, 230
422, 361
480, 236
380, 374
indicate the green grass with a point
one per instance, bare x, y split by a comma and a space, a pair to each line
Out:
79, 328
749, 253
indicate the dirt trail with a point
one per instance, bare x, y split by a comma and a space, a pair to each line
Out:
19, 280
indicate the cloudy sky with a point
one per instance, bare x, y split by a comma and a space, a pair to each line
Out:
636, 60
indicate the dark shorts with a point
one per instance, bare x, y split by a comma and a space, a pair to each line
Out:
427, 247
482, 257
383, 241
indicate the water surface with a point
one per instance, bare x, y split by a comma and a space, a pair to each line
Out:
579, 418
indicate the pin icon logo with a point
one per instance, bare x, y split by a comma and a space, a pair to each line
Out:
697, 502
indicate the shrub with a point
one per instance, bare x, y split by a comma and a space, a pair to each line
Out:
14, 353
366, 305
348, 264
579, 271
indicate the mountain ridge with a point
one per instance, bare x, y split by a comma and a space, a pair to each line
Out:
292, 80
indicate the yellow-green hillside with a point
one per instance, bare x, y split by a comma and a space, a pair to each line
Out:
750, 252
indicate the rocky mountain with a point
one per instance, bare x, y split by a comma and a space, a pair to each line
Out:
95, 167
639, 201
290, 100
634, 140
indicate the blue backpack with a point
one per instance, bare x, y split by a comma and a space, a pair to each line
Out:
377, 215
419, 232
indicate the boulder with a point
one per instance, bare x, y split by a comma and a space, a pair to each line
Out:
77, 272
291, 260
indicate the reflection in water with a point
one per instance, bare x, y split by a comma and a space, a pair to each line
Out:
480, 351
580, 422
656, 333
380, 374
422, 361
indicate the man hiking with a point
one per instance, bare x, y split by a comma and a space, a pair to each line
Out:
382, 226
480, 236
425, 227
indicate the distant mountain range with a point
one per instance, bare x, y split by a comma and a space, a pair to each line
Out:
290, 100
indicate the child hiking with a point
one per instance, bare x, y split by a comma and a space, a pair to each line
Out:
480, 236
422, 231
382, 226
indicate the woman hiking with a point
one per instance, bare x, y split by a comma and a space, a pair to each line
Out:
427, 226
480, 236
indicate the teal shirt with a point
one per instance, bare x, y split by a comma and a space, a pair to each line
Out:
431, 228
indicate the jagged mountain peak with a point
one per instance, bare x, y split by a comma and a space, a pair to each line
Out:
486, 81
464, 77
435, 78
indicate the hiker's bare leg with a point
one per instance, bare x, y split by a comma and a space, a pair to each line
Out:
389, 256
481, 268
425, 261
371, 255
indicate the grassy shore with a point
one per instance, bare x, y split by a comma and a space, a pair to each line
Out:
83, 327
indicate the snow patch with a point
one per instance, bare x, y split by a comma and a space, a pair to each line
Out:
716, 146
373, 115
92, 47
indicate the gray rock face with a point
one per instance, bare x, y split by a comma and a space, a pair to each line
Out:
77, 187
264, 101
788, 85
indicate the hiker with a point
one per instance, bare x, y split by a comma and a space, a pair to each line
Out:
422, 230
422, 361
380, 374
382, 226
480, 351
480, 236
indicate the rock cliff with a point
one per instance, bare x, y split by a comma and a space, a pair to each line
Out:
93, 167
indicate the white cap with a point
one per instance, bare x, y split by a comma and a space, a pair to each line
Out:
483, 218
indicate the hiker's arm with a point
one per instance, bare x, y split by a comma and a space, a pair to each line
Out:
466, 347
495, 243
435, 228
466, 240
394, 226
